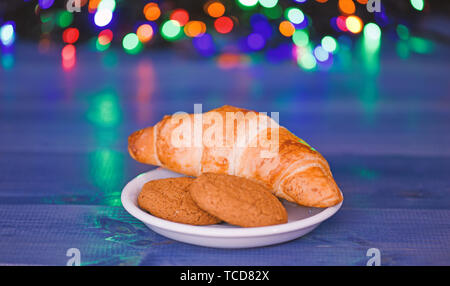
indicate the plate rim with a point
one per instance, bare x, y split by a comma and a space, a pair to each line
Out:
167, 225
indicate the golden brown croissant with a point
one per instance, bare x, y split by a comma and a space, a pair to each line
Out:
243, 143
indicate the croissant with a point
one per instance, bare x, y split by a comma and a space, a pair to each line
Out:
236, 141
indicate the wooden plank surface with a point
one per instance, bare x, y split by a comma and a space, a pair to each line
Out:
63, 159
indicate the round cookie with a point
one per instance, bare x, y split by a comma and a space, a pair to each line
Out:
237, 200
170, 199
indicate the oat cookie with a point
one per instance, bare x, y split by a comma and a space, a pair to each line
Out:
237, 200
170, 199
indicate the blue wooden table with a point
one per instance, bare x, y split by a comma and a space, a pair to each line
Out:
63, 158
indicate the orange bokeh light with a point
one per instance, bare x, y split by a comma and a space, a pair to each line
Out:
215, 9
286, 28
347, 6
194, 29
144, 33
93, 4
151, 11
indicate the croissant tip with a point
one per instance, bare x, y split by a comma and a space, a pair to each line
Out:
132, 143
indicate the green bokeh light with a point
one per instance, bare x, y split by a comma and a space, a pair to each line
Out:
131, 43
64, 19
273, 13
294, 15
247, 4
372, 31
402, 49
420, 45
329, 44
300, 38
101, 47
418, 4
268, 3
307, 61
107, 4
402, 32
104, 110
171, 30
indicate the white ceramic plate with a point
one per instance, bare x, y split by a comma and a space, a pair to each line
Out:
301, 220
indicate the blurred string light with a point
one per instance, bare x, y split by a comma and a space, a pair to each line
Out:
420, 45
371, 46
255, 41
261, 14
261, 25
171, 30
103, 17
274, 12
372, 32
64, 19
354, 24
104, 12
45, 4
204, 45
104, 110
104, 40
347, 6
214, 9
300, 38
294, 15
7, 60
268, 3
68, 55
70, 35
418, 4
144, 33
181, 16
194, 29
329, 44
321, 54
107, 5
402, 32
93, 4
306, 59
131, 43
246, 4
151, 11
7, 34
286, 28
341, 23
223, 25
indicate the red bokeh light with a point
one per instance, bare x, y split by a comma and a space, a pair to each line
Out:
340, 22
68, 52
70, 35
181, 16
223, 25
105, 37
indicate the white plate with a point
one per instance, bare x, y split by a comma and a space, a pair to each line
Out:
301, 220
